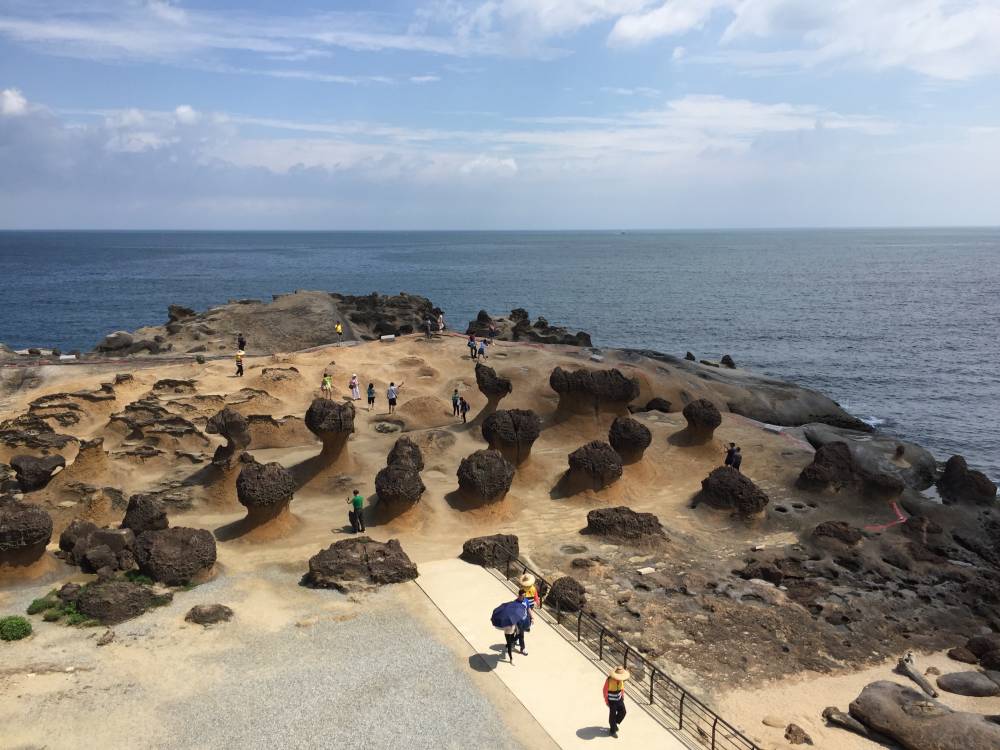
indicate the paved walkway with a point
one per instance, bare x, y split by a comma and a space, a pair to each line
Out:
558, 684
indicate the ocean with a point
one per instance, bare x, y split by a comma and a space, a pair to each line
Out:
898, 325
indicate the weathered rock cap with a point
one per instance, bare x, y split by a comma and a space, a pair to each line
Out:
703, 417
358, 564
405, 451
485, 476
175, 556
33, 473
832, 468
593, 389
326, 417
25, 530
726, 488
491, 385
840, 532
399, 484
235, 428
623, 523
144, 513
629, 438
264, 485
115, 601
209, 614
595, 465
566, 594
512, 432
494, 550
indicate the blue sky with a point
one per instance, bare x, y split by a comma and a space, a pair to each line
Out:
499, 114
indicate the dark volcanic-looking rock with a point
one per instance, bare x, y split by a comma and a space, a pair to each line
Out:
920, 723
512, 432
962, 654
658, 404
78, 529
629, 438
623, 523
112, 602
264, 486
566, 594
881, 485
25, 530
234, 427
491, 385
145, 513
359, 563
591, 391
703, 417
485, 476
33, 473
980, 645
405, 451
727, 361
209, 614
832, 468
594, 466
974, 684
175, 556
399, 484
115, 342
494, 550
518, 327
960, 484
727, 488
840, 531
331, 422
179, 312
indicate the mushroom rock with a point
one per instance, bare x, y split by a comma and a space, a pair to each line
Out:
593, 391
920, 723
405, 451
658, 404
623, 523
960, 484
175, 556
703, 417
494, 550
144, 513
690, 357
629, 438
832, 468
726, 488
485, 476
25, 530
595, 466
493, 386
332, 423
265, 490
512, 432
727, 361
399, 485
359, 564
837, 531
235, 428
566, 594
34, 473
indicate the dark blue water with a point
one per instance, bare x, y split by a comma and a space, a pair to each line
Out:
900, 326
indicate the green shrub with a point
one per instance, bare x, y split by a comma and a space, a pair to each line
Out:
48, 601
14, 628
51, 615
76, 618
136, 577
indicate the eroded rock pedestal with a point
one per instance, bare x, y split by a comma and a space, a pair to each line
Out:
234, 427
265, 490
493, 386
332, 423
485, 477
25, 530
703, 418
727, 489
593, 466
593, 391
512, 432
629, 438
623, 523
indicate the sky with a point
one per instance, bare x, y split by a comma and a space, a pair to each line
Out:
499, 114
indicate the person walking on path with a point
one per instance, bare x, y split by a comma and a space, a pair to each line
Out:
531, 600
440, 322
339, 328
239, 363
482, 349
427, 327
510, 618
355, 389
393, 394
614, 698
493, 331
455, 403
471, 343
326, 388
730, 452
357, 515
737, 459
371, 396
463, 407
241, 343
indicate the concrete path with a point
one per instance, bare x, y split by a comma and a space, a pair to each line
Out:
558, 684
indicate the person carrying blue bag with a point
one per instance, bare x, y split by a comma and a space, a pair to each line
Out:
513, 618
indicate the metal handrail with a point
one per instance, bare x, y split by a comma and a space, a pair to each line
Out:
694, 719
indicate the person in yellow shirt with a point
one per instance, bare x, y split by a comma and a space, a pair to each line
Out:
339, 328
239, 363
614, 697
527, 585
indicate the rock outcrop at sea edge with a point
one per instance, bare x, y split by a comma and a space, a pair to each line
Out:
34, 473
518, 327
332, 423
512, 432
629, 438
960, 484
176, 555
493, 386
494, 550
920, 723
593, 391
265, 490
593, 466
485, 476
25, 530
359, 564
703, 417
623, 523
235, 428
375, 315
726, 488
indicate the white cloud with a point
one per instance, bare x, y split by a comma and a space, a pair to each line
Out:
12, 103
186, 114
672, 18
425, 79
491, 165
649, 93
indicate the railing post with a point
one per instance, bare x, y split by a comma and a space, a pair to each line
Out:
506, 570
680, 712
579, 622
714, 725
652, 677
625, 657
600, 645
558, 612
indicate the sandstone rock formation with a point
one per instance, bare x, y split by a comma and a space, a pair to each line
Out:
235, 428
34, 473
25, 530
358, 564
399, 485
728, 489
375, 315
960, 484
512, 432
658, 404
593, 391
485, 476
872, 455
832, 468
593, 466
332, 423
629, 438
112, 602
145, 513
494, 550
265, 490
566, 594
703, 417
974, 684
209, 614
405, 451
493, 386
518, 327
623, 523
176, 555
840, 532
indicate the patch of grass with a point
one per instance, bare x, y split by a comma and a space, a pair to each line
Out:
48, 601
52, 615
136, 577
189, 586
76, 618
162, 600
14, 628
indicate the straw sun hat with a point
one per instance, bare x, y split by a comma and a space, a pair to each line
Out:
526, 580
620, 674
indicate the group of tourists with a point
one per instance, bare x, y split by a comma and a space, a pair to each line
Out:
354, 386
459, 406
430, 326
477, 350
734, 456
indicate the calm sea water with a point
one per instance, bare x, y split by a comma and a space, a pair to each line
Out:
900, 326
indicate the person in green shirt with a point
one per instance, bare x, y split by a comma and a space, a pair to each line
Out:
357, 516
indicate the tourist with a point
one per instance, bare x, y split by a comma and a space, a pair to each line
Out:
440, 322
730, 452
393, 394
455, 403
482, 349
737, 459
371, 396
327, 386
427, 327
614, 697
511, 618
356, 516
339, 328
239, 363
241, 343
463, 408
354, 386
471, 343
493, 331
527, 584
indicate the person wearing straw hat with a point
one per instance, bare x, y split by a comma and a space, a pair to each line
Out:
614, 697
527, 584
